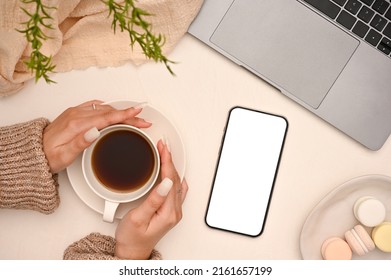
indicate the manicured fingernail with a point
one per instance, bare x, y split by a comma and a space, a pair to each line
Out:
148, 121
141, 105
165, 187
166, 143
91, 134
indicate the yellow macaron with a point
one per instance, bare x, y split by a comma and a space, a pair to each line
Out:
381, 235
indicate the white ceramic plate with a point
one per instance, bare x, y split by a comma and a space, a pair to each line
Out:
161, 127
334, 214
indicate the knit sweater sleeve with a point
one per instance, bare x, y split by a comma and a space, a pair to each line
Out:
96, 246
25, 178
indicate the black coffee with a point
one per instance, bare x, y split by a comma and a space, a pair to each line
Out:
123, 160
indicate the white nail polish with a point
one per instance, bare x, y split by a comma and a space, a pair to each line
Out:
91, 134
165, 142
165, 187
141, 105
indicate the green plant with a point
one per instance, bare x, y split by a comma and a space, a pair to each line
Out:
127, 16
38, 63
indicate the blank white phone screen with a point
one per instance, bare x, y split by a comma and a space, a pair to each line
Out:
246, 171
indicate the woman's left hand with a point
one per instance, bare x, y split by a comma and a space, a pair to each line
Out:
77, 127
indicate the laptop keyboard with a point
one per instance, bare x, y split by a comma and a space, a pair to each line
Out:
368, 19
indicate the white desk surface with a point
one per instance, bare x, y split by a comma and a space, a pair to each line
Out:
316, 157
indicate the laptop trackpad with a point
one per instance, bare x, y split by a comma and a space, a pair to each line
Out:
287, 44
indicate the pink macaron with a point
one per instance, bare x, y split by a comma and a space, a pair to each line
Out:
335, 248
359, 240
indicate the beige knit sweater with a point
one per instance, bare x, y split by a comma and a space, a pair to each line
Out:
27, 183
25, 178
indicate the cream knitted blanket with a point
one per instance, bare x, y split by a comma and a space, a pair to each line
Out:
82, 36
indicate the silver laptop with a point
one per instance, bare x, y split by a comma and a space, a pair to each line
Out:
332, 57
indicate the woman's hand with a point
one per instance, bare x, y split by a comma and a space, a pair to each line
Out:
141, 228
77, 127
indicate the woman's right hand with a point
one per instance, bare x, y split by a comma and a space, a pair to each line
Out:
141, 228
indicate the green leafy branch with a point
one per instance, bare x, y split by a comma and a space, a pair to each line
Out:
128, 17
38, 63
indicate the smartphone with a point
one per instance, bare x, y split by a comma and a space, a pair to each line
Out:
246, 170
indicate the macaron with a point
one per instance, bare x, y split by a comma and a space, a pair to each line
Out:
335, 248
381, 235
369, 211
359, 240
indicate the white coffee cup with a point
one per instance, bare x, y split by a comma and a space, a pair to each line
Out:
113, 196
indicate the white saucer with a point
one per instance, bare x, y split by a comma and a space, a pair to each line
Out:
161, 127
333, 215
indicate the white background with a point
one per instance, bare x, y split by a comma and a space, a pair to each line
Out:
316, 159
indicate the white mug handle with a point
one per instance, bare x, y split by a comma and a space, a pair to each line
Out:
109, 211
